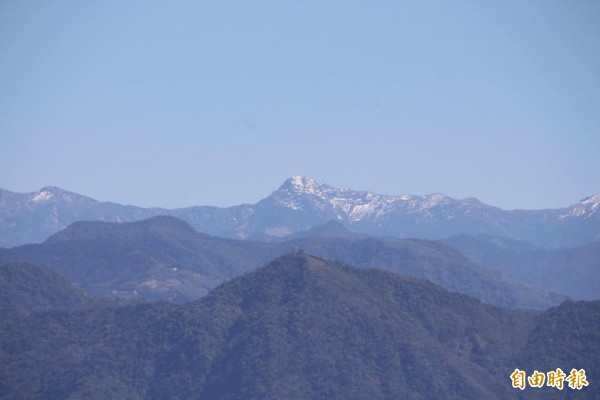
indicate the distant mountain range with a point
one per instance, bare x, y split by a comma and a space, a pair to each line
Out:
574, 271
300, 204
164, 258
299, 328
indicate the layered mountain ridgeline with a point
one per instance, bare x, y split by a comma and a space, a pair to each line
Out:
573, 271
300, 328
301, 203
330, 229
165, 258
162, 258
428, 260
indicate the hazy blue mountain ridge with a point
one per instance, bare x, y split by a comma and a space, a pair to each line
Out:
302, 203
574, 271
165, 258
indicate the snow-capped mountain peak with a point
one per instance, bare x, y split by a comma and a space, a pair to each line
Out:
55, 195
592, 200
301, 203
48, 193
301, 184
584, 208
352, 206
42, 196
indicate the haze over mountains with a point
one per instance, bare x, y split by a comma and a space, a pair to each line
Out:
267, 315
573, 271
302, 203
165, 258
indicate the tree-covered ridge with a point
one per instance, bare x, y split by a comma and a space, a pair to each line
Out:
302, 328
26, 288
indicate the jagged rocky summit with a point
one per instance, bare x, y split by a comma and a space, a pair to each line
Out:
302, 203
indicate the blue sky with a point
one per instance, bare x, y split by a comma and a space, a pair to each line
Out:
217, 102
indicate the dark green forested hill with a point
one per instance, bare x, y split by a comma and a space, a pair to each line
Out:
433, 261
26, 288
299, 328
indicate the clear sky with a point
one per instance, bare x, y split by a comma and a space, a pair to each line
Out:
178, 103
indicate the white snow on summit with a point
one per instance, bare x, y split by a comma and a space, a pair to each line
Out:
299, 192
592, 200
584, 208
41, 196
304, 185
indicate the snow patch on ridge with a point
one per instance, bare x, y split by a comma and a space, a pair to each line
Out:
304, 185
298, 193
585, 208
43, 195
